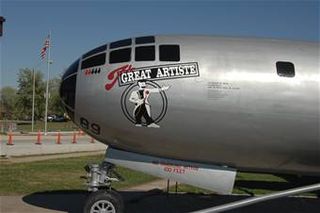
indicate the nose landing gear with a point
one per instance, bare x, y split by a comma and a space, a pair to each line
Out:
102, 199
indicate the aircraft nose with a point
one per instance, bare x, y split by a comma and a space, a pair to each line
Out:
68, 89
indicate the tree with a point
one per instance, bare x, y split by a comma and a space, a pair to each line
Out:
8, 97
23, 109
55, 104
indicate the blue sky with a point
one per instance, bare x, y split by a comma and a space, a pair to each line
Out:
78, 26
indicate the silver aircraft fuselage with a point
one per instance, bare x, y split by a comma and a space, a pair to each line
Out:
215, 100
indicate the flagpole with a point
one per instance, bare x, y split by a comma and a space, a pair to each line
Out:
47, 87
33, 97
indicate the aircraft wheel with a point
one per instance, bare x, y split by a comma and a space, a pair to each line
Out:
104, 202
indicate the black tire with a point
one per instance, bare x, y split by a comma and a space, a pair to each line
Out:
110, 198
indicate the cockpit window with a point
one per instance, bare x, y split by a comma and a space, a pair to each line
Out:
95, 50
119, 56
121, 43
67, 94
145, 53
145, 40
71, 70
94, 61
169, 52
285, 69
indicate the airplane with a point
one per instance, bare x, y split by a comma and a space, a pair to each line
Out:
2, 20
196, 109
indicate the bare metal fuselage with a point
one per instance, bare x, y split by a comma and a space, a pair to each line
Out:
237, 112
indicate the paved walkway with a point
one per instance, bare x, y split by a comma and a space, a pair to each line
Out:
33, 158
24, 145
15, 204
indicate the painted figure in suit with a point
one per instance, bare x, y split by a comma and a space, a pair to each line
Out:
142, 106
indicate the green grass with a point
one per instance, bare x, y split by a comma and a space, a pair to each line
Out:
65, 173
264, 184
238, 189
262, 178
58, 174
190, 189
52, 126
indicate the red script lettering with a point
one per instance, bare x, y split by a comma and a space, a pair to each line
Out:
113, 75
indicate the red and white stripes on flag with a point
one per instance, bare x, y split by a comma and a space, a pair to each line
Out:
45, 48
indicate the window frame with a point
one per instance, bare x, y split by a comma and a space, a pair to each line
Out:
281, 67
146, 46
94, 51
166, 59
145, 40
117, 50
94, 63
121, 43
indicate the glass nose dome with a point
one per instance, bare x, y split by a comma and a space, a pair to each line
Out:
68, 88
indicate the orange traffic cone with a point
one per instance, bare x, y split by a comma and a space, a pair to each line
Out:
59, 138
38, 138
10, 140
74, 138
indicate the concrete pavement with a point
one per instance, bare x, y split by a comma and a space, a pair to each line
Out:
154, 201
15, 204
25, 145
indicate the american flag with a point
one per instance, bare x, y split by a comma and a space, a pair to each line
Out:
45, 47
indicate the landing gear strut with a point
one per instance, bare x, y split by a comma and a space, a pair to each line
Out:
102, 199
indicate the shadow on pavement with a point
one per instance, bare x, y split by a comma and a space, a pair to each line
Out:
156, 201
272, 185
